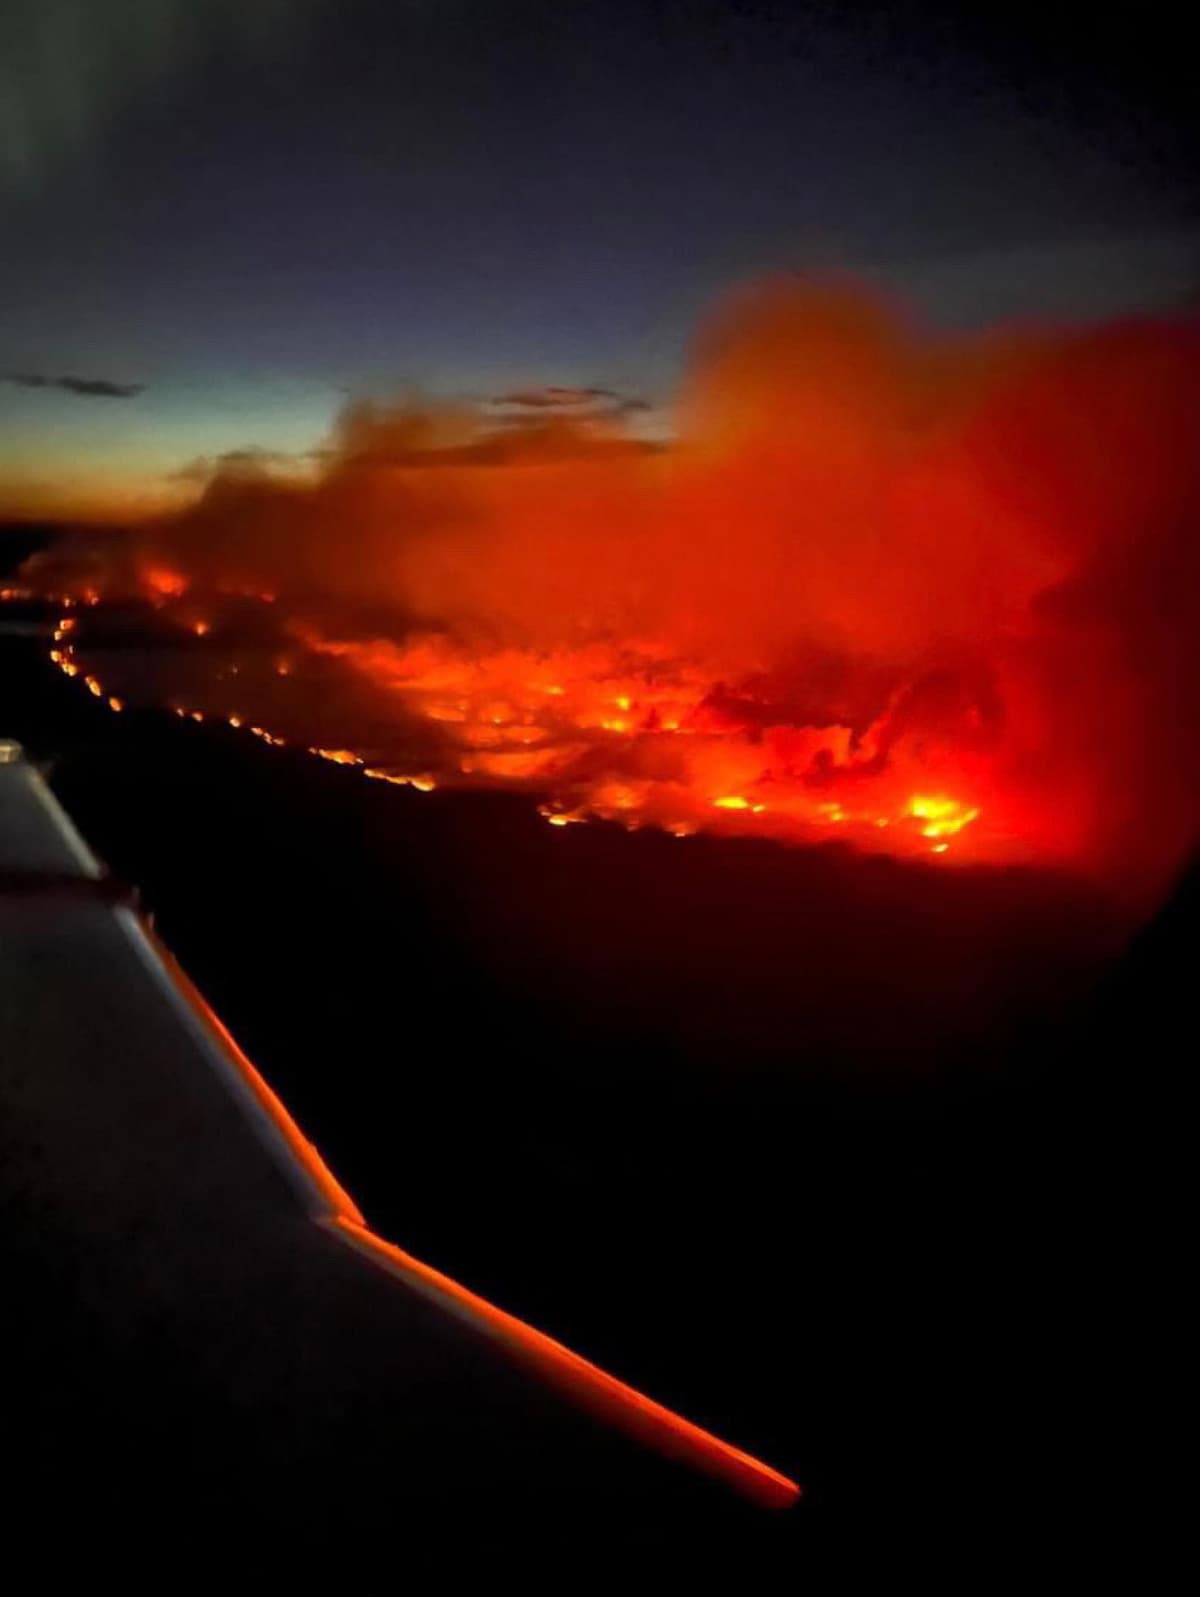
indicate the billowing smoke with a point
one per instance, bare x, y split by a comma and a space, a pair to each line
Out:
876, 578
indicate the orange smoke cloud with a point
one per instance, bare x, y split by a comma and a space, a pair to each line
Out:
929, 594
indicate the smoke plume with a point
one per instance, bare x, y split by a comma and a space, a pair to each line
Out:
871, 564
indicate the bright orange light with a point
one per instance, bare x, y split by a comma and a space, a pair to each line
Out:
164, 583
943, 817
505, 717
338, 756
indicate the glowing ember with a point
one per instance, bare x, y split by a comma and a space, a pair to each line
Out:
162, 583
338, 756
942, 817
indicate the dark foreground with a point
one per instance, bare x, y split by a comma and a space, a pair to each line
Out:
205, 1328
874, 1171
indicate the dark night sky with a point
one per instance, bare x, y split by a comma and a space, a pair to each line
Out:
251, 207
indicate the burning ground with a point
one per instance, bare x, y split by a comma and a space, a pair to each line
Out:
926, 597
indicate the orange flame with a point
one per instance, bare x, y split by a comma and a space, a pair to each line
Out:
163, 583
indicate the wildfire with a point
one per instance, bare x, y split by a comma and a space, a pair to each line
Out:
338, 756
926, 597
678, 758
675, 759
423, 784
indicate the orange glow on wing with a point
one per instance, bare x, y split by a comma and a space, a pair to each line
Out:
621, 1406
616, 1403
301, 1149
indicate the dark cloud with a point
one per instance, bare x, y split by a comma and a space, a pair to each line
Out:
233, 461
554, 397
88, 387
255, 457
554, 403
